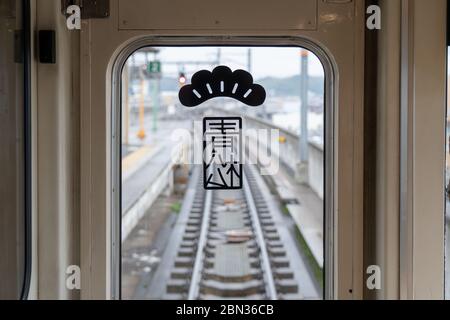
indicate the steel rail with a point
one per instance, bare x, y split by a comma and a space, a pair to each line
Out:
266, 266
194, 289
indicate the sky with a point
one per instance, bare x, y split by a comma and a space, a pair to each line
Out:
265, 62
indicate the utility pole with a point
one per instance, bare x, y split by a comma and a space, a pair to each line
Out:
141, 133
156, 88
219, 56
249, 60
304, 145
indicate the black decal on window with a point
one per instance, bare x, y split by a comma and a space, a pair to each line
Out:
222, 165
222, 82
222, 141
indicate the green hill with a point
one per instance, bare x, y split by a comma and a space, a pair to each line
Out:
291, 86
275, 86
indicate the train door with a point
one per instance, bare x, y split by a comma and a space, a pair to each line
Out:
329, 31
15, 158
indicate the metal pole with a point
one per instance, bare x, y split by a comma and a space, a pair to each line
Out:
156, 86
156, 94
141, 133
219, 56
249, 60
302, 166
304, 108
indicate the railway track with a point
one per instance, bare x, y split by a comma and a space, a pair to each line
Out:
231, 248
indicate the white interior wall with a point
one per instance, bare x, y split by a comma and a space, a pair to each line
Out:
57, 156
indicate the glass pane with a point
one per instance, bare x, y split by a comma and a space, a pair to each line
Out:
224, 198
12, 194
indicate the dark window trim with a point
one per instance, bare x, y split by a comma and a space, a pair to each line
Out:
26, 54
370, 149
447, 151
448, 23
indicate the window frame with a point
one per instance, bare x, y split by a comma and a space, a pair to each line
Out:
330, 123
26, 54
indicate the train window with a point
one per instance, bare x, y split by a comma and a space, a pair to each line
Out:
223, 162
13, 155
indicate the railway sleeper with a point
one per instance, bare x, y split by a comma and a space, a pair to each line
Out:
279, 262
190, 236
184, 262
189, 244
275, 244
214, 227
254, 262
195, 215
252, 244
209, 253
269, 229
267, 223
283, 273
215, 217
210, 245
276, 252
241, 290
194, 222
186, 252
285, 286
181, 273
191, 229
291, 296
252, 251
253, 275
264, 216
272, 236
177, 286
